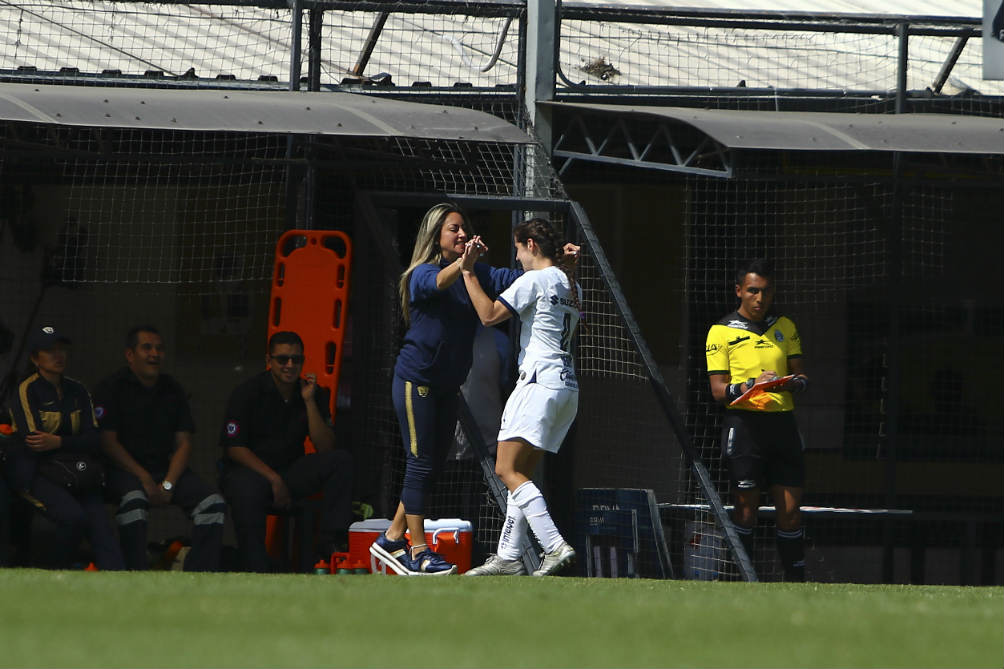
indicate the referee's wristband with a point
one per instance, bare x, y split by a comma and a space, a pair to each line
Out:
734, 391
802, 383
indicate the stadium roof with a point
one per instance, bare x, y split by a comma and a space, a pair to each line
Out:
250, 111
821, 131
963, 8
208, 41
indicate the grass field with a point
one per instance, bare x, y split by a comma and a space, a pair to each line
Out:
165, 619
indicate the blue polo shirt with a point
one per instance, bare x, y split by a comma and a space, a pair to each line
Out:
438, 347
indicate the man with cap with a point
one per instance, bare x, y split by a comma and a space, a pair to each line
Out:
54, 421
146, 433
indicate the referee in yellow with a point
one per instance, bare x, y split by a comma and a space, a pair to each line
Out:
760, 440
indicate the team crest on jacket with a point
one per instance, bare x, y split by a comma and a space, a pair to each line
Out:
99, 412
233, 428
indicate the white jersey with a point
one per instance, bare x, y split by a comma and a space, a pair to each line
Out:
543, 302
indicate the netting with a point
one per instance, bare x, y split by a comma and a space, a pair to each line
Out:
599, 51
103, 228
437, 50
837, 256
106, 228
438, 166
460, 45
134, 38
203, 42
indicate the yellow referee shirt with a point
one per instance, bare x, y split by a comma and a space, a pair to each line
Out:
743, 349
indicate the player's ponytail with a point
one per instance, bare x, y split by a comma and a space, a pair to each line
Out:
551, 243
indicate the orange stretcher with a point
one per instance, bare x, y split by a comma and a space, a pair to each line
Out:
309, 295
310, 291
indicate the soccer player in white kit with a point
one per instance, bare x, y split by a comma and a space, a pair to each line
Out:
541, 408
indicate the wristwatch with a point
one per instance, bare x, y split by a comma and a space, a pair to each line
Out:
167, 485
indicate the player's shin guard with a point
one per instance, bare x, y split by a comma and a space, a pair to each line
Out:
513, 531
791, 549
531, 502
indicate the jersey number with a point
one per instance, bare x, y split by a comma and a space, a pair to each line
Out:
566, 331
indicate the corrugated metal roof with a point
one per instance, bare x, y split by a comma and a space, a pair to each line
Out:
250, 111
821, 131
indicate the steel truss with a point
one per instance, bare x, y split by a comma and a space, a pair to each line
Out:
660, 145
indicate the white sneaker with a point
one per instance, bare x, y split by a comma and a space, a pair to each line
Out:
556, 560
496, 566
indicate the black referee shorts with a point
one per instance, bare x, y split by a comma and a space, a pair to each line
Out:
763, 449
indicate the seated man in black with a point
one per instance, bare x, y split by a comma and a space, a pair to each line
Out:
267, 419
146, 433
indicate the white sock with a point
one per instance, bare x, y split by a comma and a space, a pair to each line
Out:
532, 503
513, 531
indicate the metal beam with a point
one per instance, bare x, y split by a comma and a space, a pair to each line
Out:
617, 145
295, 58
540, 63
370, 43
946, 67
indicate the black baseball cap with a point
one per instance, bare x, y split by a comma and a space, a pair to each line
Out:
45, 337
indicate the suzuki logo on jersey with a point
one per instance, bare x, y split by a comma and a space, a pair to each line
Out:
561, 300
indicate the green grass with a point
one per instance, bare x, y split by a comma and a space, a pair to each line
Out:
81, 619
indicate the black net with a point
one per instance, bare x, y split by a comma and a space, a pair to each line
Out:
790, 58
107, 228
452, 44
894, 362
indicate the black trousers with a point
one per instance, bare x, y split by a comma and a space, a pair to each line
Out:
249, 495
6, 521
76, 517
197, 498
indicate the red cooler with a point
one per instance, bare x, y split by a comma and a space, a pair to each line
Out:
450, 537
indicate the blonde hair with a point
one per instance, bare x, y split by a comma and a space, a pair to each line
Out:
427, 249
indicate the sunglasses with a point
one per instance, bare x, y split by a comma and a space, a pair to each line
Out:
284, 360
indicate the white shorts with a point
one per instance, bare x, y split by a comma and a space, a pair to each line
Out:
539, 415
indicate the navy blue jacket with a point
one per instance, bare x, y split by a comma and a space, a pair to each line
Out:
39, 407
438, 347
